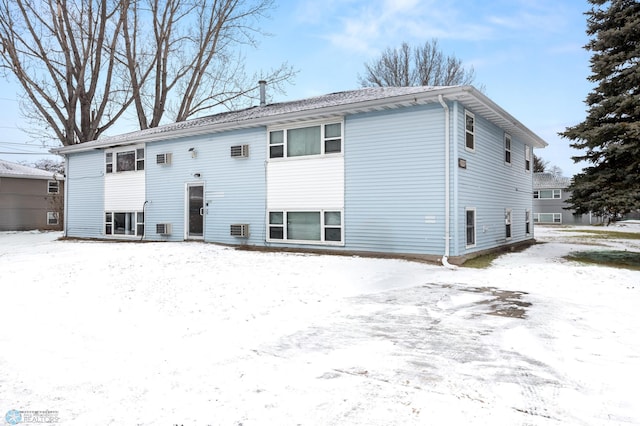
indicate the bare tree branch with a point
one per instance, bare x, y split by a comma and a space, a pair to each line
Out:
190, 68
422, 66
59, 53
83, 63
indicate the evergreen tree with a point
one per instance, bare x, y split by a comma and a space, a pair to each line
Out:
610, 134
539, 165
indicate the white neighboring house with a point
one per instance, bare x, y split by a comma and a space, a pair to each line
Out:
30, 198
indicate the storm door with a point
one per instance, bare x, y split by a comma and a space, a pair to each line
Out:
195, 211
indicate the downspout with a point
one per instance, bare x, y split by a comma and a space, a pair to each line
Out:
66, 197
456, 186
447, 195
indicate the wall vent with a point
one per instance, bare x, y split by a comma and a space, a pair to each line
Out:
240, 151
163, 228
239, 230
164, 158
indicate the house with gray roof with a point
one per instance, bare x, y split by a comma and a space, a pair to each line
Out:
434, 172
550, 195
30, 198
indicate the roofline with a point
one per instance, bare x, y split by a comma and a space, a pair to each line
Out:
537, 141
57, 176
464, 94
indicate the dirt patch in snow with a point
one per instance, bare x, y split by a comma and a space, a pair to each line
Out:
503, 303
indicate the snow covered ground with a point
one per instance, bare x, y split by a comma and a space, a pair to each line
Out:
104, 333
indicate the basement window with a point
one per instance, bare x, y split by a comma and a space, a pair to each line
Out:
324, 227
52, 218
124, 223
470, 214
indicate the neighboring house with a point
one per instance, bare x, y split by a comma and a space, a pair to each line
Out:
550, 196
430, 172
30, 198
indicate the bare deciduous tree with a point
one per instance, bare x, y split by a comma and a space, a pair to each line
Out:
84, 63
421, 66
190, 51
55, 166
58, 52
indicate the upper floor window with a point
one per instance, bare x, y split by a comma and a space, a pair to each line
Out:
124, 160
507, 148
527, 158
470, 132
303, 141
53, 187
547, 194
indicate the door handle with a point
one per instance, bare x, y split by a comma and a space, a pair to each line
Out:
201, 211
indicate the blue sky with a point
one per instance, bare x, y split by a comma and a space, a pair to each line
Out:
528, 55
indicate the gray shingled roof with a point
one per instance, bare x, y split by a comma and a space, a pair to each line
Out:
14, 170
330, 105
550, 181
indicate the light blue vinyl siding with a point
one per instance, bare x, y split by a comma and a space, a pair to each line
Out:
394, 181
85, 195
491, 186
234, 188
394, 177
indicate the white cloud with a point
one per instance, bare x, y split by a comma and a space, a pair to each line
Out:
369, 26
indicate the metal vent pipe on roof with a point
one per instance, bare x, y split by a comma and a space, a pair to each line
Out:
263, 95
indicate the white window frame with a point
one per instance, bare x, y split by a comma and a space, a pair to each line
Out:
467, 227
556, 194
323, 227
323, 139
472, 132
137, 226
508, 223
53, 184
111, 159
507, 148
527, 222
52, 216
527, 158
557, 218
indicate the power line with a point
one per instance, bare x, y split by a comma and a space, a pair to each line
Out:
27, 153
27, 144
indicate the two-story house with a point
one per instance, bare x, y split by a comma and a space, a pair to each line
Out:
30, 198
433, 172
550, 195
